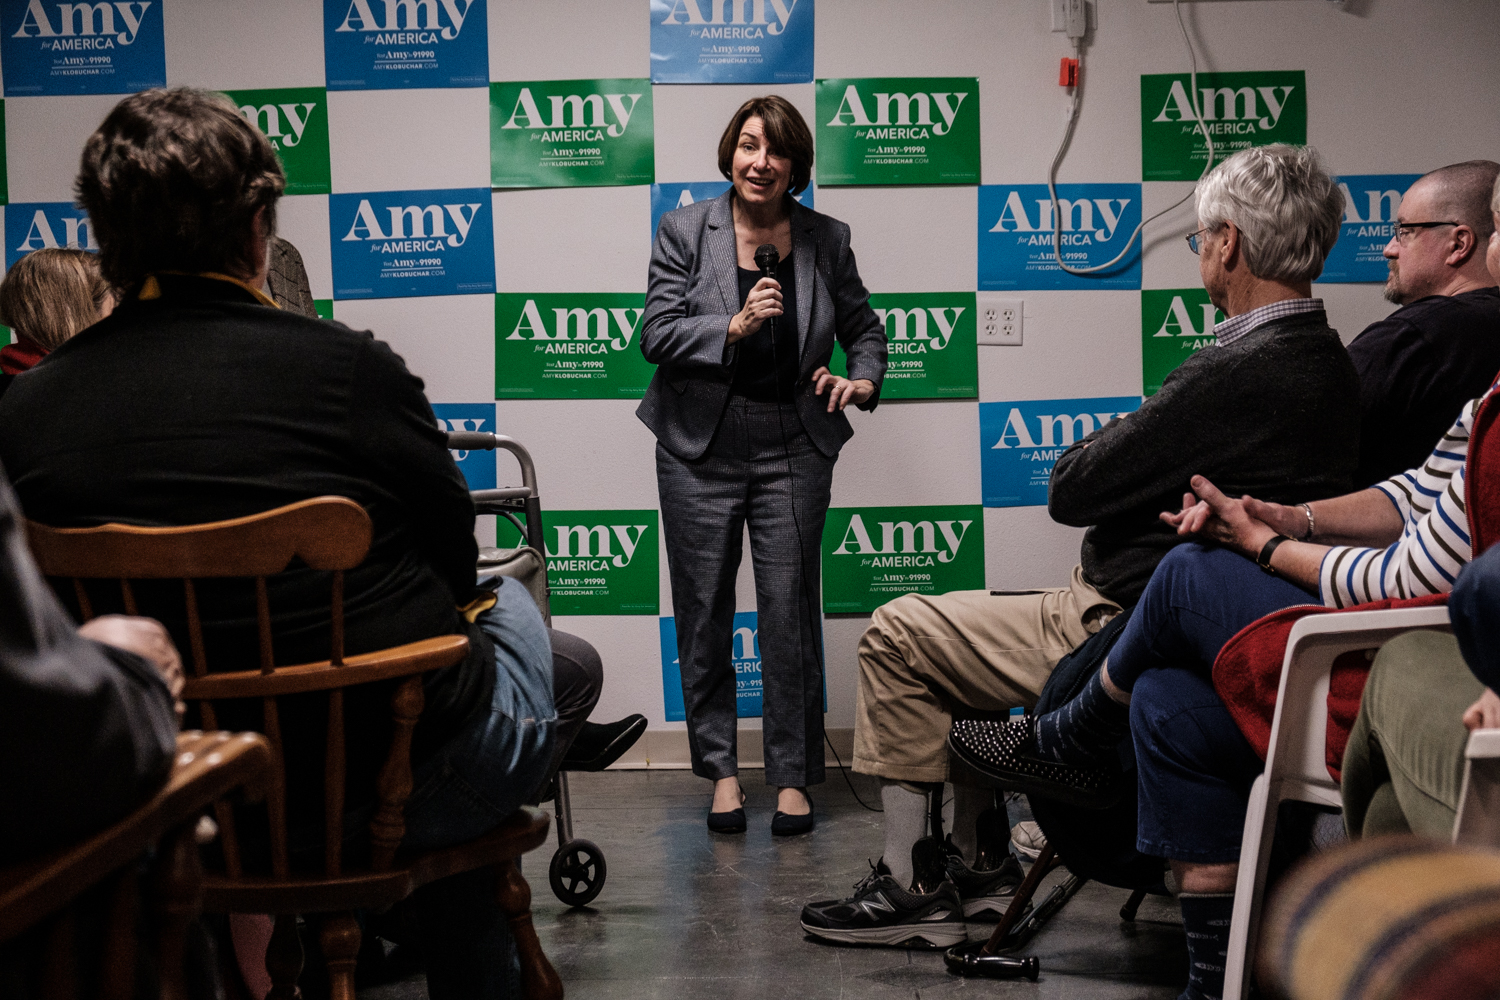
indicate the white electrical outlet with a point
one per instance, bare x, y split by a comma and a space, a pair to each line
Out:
1000, 320
1060, 14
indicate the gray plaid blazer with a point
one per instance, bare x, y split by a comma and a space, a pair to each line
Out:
694, 290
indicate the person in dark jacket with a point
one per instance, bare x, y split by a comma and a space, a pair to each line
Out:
199, 400
1273, 407
1419, 365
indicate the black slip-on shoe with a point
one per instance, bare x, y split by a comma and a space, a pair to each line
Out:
599, 745
999, 751
788, 825
732, 821
881, 912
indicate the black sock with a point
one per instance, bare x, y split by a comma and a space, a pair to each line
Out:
1086, 730
1205, 918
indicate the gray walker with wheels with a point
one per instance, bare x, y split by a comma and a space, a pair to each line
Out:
578, 868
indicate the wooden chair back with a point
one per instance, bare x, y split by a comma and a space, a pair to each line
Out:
325, 533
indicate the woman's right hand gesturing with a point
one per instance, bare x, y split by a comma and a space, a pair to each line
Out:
763, 302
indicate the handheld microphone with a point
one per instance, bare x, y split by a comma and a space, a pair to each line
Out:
766, 258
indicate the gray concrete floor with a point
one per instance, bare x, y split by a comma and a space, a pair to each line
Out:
685, 913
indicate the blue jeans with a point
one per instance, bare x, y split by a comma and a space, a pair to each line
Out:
480, 777
1194, 768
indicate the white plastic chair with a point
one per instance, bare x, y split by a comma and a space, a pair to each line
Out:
1296, 764
1478, 822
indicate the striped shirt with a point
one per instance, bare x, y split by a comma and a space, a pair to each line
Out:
1236, 327
1434, 543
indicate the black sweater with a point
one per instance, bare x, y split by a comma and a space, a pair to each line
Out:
1274, 414
204, 405
1417, 368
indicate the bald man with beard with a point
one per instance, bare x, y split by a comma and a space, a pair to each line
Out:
1418, 366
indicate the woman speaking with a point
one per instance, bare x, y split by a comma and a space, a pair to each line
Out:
747, 295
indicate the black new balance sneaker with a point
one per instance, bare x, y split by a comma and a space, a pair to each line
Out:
984, 892
882, 913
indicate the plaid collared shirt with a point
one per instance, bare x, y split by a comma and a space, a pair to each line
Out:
1231, 330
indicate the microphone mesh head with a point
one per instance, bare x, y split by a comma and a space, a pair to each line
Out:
767, 257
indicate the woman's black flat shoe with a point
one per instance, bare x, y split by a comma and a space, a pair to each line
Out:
732, 821
786, 825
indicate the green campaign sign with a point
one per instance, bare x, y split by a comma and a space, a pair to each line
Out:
569, 345
295, 119
599, 562
571, 133
1239, 110
324, 308
1175, 322
898, 130
933, 343
872, 555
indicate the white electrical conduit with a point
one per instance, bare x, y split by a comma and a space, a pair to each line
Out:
1068, 137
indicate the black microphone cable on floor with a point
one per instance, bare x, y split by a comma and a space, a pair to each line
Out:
767, 257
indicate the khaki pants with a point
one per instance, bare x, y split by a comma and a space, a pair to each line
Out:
925, 658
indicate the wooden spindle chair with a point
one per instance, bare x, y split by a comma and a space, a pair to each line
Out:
329, 534
40, 893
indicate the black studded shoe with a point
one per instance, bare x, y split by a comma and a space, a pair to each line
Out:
999, 750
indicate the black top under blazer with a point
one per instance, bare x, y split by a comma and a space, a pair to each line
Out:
694, 292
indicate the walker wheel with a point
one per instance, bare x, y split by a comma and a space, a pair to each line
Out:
577, 873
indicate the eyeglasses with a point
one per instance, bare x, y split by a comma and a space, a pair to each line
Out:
1405, 229
1195, 244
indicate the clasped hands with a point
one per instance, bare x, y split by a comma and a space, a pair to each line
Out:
763, 303
147, 638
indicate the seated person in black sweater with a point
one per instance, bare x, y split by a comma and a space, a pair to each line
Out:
1273, 407
199, 400
1419, 365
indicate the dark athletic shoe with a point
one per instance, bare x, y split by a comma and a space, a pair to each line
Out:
999, 750
882, 913
985, 891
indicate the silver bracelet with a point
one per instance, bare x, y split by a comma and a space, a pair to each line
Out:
1312, 522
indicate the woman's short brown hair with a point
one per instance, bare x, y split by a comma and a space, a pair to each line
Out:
787, 135
172, 180
51, 294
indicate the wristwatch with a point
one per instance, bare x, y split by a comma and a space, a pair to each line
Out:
1264, 559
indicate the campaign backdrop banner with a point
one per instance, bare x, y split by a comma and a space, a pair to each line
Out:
571, 133
295, 119
33, 225
570, 345
744, 654
324, 308
932, 342
81, 48
1019, 442
393, 244
666, 197
1016, 249
1371, 202
898, 130
1239, 110
402, 45
760, 42
1175, 322
599, 562
872, 555
478, 467
4, 169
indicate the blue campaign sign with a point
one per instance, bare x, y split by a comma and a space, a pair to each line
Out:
1016, 233
666, 197
732, 41
81, 48
478, 467
33, 225
391, 244
1371, 202
405, 44
745, 653
1020, 442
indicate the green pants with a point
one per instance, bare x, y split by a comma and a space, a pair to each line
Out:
1404, 765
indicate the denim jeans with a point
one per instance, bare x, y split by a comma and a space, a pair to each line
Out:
479, 778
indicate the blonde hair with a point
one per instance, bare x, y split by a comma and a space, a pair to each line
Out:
50, 294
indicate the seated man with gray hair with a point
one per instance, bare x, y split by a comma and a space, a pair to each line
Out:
1273, 407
